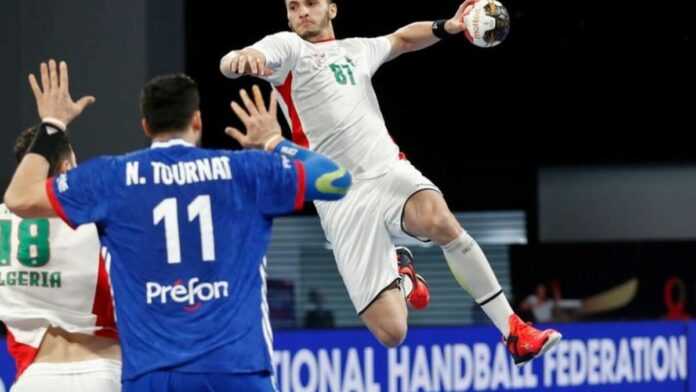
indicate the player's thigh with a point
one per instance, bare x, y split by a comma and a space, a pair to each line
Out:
362, 246
387, 317
404, 183
426, 214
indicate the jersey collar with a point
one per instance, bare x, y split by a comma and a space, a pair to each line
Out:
170, 143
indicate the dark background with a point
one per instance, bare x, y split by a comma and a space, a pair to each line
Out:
535, 124
459, 113
607, 265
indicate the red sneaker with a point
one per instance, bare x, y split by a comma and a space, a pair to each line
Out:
419, 297
526, 342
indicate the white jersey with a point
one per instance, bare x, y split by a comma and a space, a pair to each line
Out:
50, 275
328, 98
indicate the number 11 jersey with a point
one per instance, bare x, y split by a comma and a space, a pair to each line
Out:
185, 232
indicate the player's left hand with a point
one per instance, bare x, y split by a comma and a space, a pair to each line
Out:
53, 97
261, 123
456, 25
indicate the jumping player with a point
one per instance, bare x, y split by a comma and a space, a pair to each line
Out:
329, 101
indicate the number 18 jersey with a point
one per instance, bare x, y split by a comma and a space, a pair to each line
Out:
50, 275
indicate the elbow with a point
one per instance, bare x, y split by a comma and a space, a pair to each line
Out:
10, 200
406, 47
402, 45
22, 204
17, 204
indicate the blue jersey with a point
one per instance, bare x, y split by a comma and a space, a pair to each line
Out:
184, 232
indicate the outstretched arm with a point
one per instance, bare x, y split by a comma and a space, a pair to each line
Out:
26, 195
419, 35
324, 178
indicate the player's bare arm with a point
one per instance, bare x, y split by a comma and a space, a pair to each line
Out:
248, 61
26, 195
419, 35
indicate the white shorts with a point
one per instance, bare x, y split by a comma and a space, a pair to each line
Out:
362, 228
99, 375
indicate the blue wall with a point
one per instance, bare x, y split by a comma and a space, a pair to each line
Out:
647, 356
632, 357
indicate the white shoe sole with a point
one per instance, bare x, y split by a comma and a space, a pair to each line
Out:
550, 343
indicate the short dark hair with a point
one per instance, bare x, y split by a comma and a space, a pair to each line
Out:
168, 103
61, 153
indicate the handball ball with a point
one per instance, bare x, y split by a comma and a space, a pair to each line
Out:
487, 23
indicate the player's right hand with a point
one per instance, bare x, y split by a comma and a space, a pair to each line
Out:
456, 24
248, 61
261, 123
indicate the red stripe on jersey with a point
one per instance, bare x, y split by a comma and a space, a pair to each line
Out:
298, 135
300, 196
402, 155
103, 306
23, 354
55, 203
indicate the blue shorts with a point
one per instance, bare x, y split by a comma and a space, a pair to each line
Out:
163, 381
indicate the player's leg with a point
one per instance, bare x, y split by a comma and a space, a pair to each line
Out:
426, 214
369, 270
366, 259
414, 287
386, 317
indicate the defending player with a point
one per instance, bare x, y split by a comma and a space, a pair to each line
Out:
185, 231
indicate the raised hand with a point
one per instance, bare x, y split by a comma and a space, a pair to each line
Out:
53, 98
261, 123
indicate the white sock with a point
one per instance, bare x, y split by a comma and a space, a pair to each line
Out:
473, 272
406, 285
499, 311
